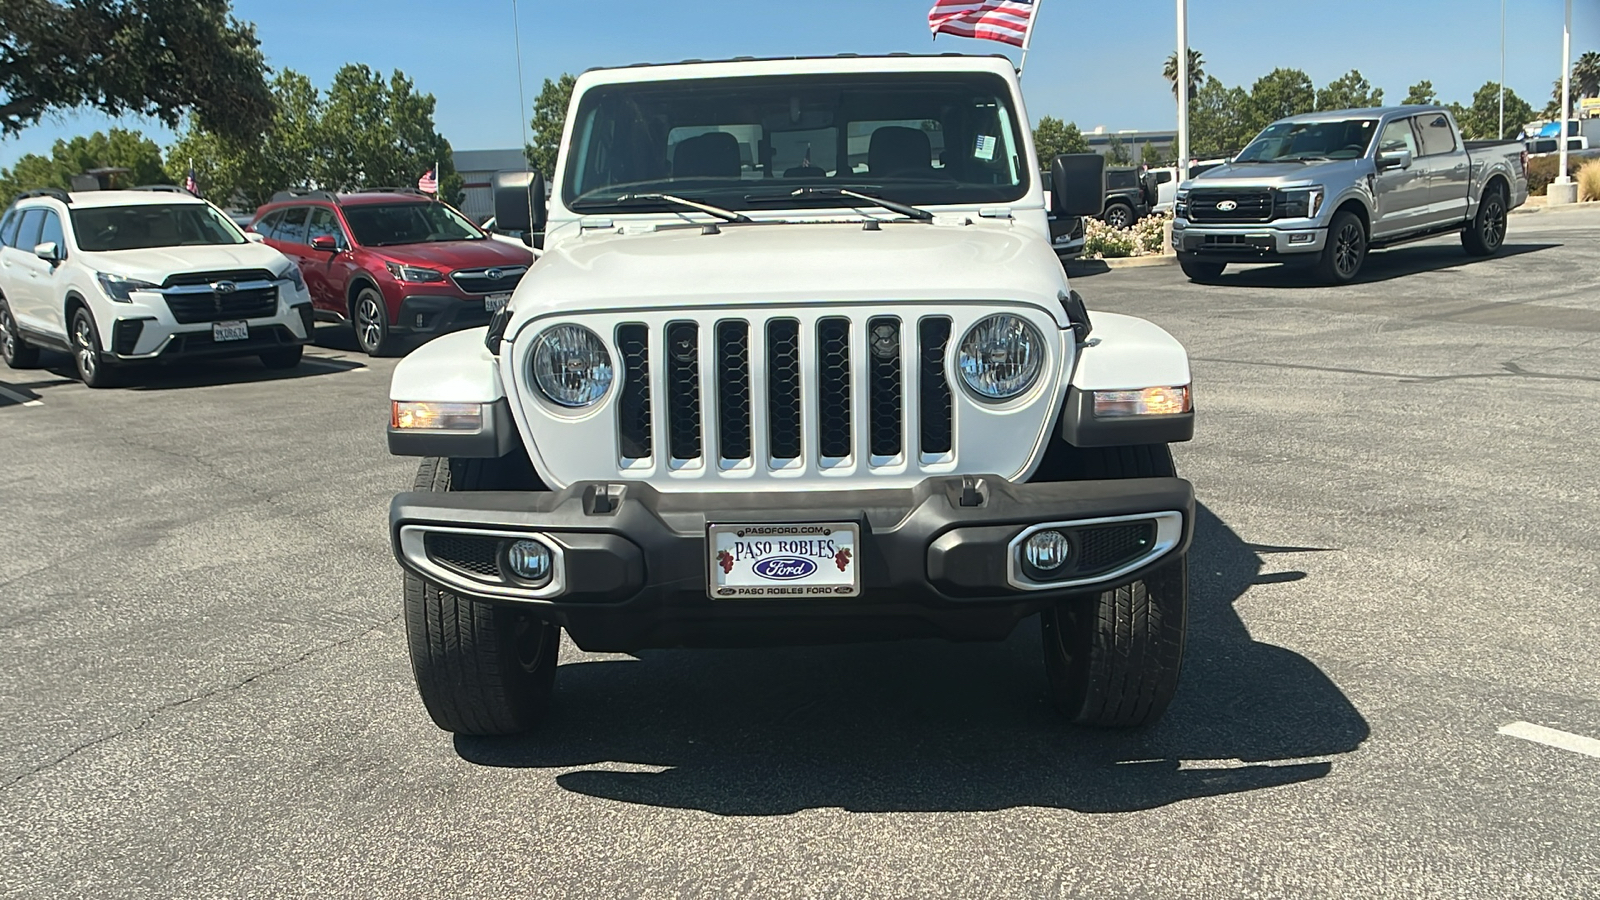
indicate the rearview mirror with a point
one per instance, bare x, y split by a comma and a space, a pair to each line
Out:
519, 203
48, 251
1394, 159
325, 243
1078, 184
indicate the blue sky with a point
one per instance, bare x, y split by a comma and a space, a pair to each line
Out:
1095, 63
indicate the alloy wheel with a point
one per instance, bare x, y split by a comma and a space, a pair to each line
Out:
8, 334
1347, 250
1117, 217
369, 322
1494, 223
83, 347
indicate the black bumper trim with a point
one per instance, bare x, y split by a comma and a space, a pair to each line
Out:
430, 314
913, 583
262, 339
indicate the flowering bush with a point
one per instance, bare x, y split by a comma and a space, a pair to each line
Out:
1145, 238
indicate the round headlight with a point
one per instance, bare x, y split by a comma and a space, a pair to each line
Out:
571, 366
1001, 357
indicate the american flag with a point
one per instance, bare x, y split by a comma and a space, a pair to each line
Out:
991, 20
429, 182
189, 184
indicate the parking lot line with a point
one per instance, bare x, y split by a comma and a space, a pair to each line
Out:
19, 398
1552, 738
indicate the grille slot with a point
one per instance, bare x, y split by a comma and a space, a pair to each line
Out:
733, 389
783, 388
1110, 547
884, 393
474, 556
478, 281
683, 390
833, 387
190, 279
633, 407
1251, 205
934, 403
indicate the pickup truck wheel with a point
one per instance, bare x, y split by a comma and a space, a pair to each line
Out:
13, 349
1113, 660
92, 369
481, 668
287, 358
1345, 252
1199, 271
1486, 233
1119, 215
370, 319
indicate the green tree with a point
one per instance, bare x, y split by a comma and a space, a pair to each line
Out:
1421, 94
1054, 137
1481, 120
1586, 75
118, 148
1350, 91
1117, 152
377, 133
248, 175
1219, 120
549, 119
1151, 155
1279, 94
152, 57
1197, 72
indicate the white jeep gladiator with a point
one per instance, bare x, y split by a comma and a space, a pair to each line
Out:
798, 364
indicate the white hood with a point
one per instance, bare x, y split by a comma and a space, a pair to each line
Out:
790, 263
157, 264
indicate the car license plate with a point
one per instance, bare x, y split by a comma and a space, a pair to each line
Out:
494, 302
784, 561
230, 331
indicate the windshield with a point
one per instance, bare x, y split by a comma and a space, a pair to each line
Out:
152, 225
384, 224
1287, 141
736, 142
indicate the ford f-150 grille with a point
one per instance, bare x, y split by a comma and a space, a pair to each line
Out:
1222, 205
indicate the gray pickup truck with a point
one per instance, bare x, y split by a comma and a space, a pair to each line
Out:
1324, 188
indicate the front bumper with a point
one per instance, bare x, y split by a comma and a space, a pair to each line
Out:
1245, 242
148, 339
938, 559
439, 314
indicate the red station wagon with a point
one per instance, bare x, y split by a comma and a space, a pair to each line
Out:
392, 264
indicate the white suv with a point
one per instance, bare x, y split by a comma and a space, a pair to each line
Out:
121, 277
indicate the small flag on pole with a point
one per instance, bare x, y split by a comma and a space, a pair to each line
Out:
189, 184
429, 182
1006, 21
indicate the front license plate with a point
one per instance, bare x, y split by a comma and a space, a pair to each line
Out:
494, 302
777, 561
230, 331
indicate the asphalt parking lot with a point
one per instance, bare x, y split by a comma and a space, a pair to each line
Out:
204, 688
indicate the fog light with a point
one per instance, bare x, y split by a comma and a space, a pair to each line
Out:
1305, 238
529, 561
1046, 553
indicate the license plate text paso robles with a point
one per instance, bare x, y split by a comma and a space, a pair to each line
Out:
784, 561
230, 331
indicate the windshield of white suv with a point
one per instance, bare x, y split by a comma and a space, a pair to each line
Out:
104, 228
386, 224
1290, 141
736, 142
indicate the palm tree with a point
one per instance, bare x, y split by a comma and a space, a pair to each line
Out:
1586, 75
1197, 73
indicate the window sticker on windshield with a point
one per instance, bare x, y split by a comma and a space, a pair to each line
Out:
985, 148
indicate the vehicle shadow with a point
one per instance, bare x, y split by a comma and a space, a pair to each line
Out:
1381, 266
190, 373
16, 393
935, 726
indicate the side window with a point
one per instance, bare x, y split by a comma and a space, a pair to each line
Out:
324, 224
8, 227
268, 225
1436, 135
292, 228
1397, 135
28, 231
50, 232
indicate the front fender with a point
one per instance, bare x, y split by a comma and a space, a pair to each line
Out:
455, 368
1124, 353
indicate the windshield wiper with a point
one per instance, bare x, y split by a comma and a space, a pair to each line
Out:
726, 215
904, 209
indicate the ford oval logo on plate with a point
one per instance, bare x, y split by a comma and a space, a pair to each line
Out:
785, 568
1228, 205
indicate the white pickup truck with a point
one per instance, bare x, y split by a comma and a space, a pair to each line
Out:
798, 364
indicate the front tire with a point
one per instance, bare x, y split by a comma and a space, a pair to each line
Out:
1119, 215
481, 668
1486, 233
93, 371
1346, 250
1198, 270
370, 319
13, 349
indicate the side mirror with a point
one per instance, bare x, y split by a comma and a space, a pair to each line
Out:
324, 243
254, 237
48, 251
1394, 159
1078, 184
519, 203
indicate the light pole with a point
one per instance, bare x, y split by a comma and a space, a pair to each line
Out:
1564, 191
1183, 91
1502, 135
